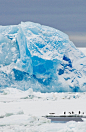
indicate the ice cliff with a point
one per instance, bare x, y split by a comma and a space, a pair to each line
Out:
40, 57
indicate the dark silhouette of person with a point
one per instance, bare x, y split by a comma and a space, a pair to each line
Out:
64, 113
79, 112
72, 112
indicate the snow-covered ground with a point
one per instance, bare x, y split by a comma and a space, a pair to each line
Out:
22, 111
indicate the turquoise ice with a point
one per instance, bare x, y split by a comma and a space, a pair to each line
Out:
40, 57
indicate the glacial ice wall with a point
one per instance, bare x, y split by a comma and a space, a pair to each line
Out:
40, 57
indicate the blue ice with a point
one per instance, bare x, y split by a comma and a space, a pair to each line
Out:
40, 57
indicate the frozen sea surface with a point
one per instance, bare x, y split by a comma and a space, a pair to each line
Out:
22, 105
23, 110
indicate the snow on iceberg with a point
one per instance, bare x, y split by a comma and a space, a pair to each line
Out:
40, 57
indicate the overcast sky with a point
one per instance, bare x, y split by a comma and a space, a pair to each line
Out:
65, 15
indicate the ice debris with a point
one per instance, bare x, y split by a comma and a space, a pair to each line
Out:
40, 57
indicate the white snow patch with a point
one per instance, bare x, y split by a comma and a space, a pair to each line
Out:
23, 110
83, 49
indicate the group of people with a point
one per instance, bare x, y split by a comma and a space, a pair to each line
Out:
73, 112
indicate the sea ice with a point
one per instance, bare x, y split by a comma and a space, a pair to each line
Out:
23, 110
40, 57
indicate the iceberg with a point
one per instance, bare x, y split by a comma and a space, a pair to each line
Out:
40, 57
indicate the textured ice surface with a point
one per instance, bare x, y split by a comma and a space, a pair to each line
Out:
40, 57
22, 111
